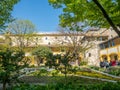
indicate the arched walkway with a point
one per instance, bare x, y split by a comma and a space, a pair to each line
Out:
113, 56
104, 58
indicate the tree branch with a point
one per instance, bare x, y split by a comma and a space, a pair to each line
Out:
107, 17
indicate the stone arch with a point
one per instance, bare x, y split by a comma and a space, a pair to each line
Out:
113, 56
104, 58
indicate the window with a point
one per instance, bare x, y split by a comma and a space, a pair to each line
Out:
104, 38
101, 46
36, 39
112, 42
101, 38
89, 54
111, 36
55, 37
48, 43
10, 43
106, 45
36, 43
65, 37
41, 61
27, 39
62, 49
46, 38
109, 44
85, 39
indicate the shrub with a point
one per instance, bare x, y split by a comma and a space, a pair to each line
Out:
54, 72
113, 70
95, 67
83, 62
69, 86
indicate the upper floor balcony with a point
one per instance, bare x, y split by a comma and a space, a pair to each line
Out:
110, 50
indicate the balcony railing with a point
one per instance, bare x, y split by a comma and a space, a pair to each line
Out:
112, 50
115, 49
103, 52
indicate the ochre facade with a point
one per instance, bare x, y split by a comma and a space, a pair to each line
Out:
110, 50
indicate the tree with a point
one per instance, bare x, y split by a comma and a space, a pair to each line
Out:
6, 6
11, 62
22, 31
109, 20
60, 62
65, 61
74, 40
42, 53
99, 13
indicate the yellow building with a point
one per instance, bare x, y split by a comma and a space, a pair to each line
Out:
110, 50
57, 42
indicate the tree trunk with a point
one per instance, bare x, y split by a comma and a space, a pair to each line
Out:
107, 17
4, 85
65, 74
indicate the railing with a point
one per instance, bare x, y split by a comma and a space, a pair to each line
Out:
103, 52
115, 49
112, 50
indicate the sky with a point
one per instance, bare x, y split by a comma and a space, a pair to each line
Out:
39, 12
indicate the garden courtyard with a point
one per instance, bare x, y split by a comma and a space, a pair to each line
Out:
77, 78
74, 45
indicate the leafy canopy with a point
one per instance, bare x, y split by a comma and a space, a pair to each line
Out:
23, 31
42, 51
6, 7
11, 62
87, 11
21, 27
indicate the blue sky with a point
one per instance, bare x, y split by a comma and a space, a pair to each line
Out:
39, 12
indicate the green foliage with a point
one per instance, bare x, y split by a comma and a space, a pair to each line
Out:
53, 61
63, 61
29, 87
113, 70
21, 27
38, 73
54, 72
42, 53
88, 12
63, 65
11, 62
69, 86
94, 67
23, 31
6, 6
73, 70
83, 62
